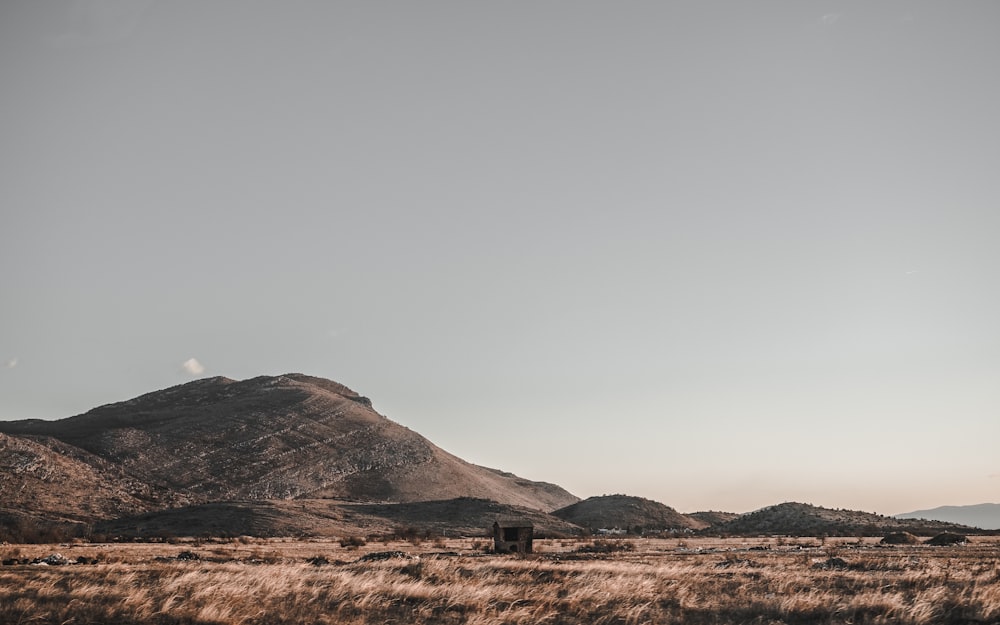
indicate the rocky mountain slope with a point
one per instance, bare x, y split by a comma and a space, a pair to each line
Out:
214, 440
799, 519
625, 512
984, 515
45, 476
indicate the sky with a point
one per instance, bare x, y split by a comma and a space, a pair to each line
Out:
717, 254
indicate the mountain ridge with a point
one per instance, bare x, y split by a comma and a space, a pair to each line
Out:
984, 515
800, 519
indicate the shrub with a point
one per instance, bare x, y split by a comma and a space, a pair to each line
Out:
352, 542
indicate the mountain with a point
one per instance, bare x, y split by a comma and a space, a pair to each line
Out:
984, 516
217, 440
627, 513
799, 519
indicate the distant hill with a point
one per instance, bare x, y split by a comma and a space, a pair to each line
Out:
627, 513
984, 516
799, 519
221, 440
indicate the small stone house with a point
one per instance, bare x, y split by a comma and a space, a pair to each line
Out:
513, 536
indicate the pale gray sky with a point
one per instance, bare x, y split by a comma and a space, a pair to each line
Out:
718, 254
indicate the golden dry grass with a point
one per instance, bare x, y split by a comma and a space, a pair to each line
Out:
697, 581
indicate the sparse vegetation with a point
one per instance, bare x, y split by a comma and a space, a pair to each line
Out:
707, 581
607, 546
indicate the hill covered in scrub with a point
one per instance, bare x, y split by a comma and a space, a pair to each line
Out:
709, 518
624, 512
799, 519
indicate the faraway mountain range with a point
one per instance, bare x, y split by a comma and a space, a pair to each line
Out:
295, 455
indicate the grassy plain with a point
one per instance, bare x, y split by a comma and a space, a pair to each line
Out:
253, 581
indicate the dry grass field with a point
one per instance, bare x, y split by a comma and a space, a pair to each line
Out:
254, 581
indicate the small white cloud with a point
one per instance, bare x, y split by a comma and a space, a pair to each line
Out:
830, 18
12, 362
193, 367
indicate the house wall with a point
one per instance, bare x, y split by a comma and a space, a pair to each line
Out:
523, 537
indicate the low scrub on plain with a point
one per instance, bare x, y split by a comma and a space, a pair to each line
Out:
607, 546
657, 582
